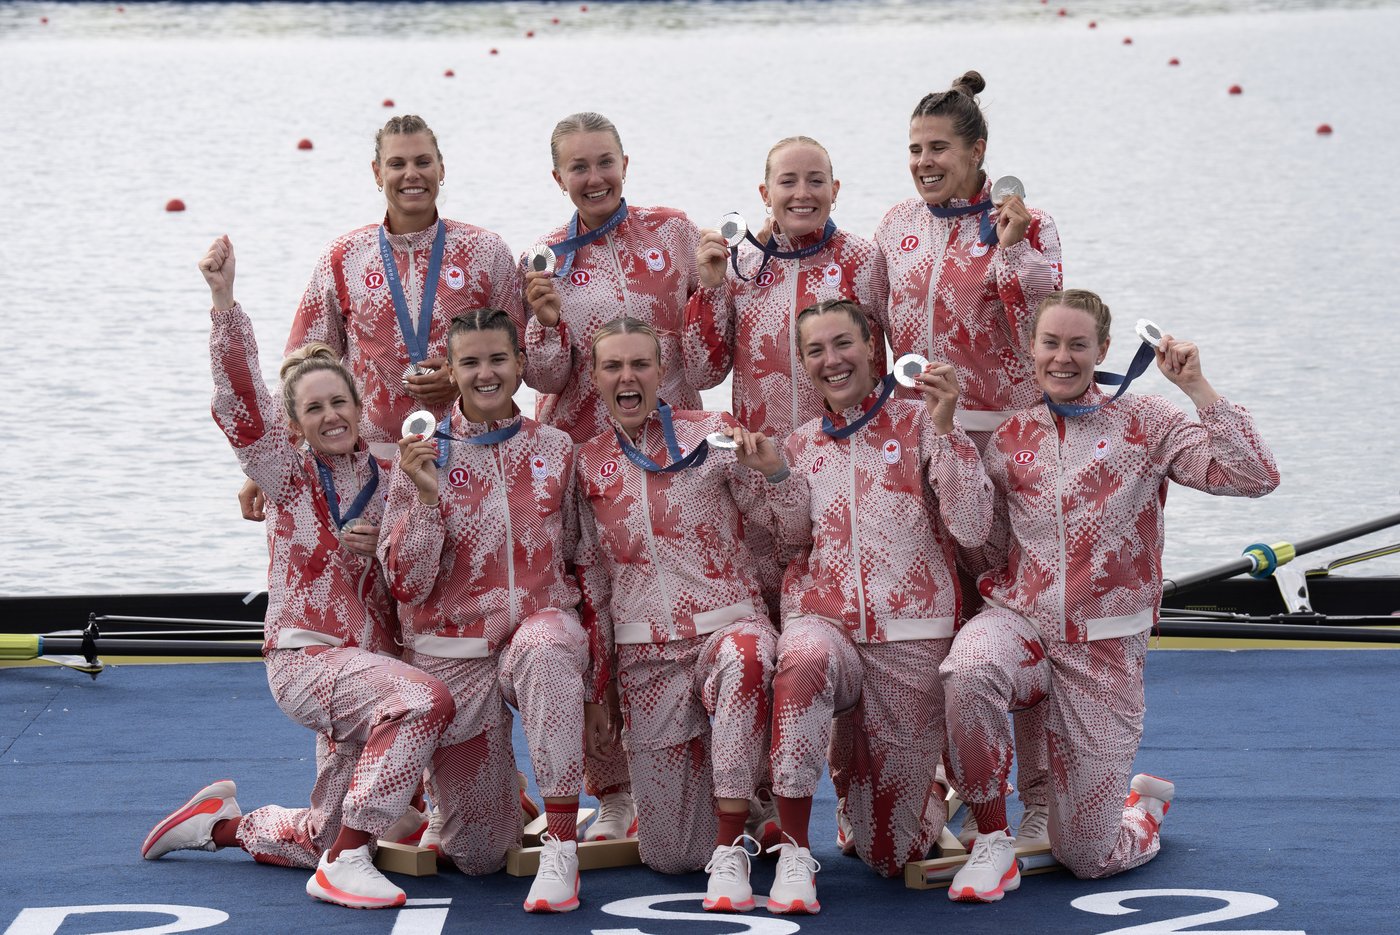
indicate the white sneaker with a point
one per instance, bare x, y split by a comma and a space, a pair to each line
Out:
729, 889
352, 880
1152, 794
1034, 829
617, 818
191, 826
763, 824
432, 835
795, 881
991, 870
408, 829
968, 832
556, 882
845, 832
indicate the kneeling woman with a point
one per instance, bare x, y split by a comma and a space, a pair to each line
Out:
1084, 479
378, 720
676, 613
880, 490
480, 525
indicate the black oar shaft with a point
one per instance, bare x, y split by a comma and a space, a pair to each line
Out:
64, 645
1278, 631
176, 621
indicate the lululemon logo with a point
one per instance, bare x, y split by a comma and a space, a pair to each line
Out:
765, 279
909, 244
457, 477
817, 464
579, 277
1023, 457
608, 469
374, 280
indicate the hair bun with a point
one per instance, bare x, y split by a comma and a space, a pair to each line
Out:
971, 84
307, 352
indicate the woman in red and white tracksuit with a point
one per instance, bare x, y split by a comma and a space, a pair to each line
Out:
480, 528
965, 277
641, 265
1069, 614
378, 720
680, 634
880, 490
747, 326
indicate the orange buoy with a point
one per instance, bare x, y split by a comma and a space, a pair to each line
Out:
388, 102
1236, 89
1324, 129
174, 204
303, 143
1127, 40
1174, 61
449, 74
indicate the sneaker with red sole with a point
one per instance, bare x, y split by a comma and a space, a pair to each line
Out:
191, 826
991, 870
617, 818
556, 881
728, 889
353, 881
1152, 794
408, 829
794, 888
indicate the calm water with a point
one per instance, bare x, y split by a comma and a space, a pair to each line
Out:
1224, 218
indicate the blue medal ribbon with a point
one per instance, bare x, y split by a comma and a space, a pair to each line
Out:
567, 248
887, 384
986, 229
678, 463
361, 499
771, 252
1144, 356
444, 435
415, 341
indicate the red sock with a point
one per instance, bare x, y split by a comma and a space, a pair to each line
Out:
562, 819
226, 832
991, 816
795, 815
731, 825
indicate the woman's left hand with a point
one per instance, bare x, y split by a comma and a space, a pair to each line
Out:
1180, 362
756, 450
360, 537
939, 384
433, 388
1013, 219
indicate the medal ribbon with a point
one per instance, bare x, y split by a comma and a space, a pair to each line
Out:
565, 249
851, 428
444, 436
678, 463
771, 252
1144, 356
415, 341
986, 228
361, 499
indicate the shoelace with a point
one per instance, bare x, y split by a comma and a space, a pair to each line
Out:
552, 860
1034, 824
791, 862
725, 861
613, 808
436, 819
984, 851
359, 859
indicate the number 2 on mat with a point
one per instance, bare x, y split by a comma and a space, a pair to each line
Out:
1237, 906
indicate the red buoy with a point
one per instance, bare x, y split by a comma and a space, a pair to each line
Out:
1064, 12
388, 102
529, 34
495, 52
303, 143
1174, 61
1093, 25
174, 204
555, 21
1324, 129
449, 74
1236, 89
583, 9
43, 21
121, 9
1127, 40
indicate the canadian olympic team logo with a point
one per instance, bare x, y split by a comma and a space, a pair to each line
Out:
832, 274
579, 277
1024, 457
456, 279
891, 451
457, 477
1101, 448
765, 279
608, 469
909, 244
374, 280
539, 468
655, 260
817, 464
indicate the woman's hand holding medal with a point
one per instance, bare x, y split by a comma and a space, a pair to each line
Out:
418, 460
711, 257
542, 298
939, 384
754, 450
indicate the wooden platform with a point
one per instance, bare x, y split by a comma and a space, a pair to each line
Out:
938, 872
592, 855
406, 858
534, 829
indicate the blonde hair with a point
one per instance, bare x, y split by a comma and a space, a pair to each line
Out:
404, 125
625, 325
309, 359
789, 141
1084, 301
583, 122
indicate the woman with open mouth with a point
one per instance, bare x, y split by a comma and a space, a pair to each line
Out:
880, 490
329, 616
479, 530
680, 633
1082, 480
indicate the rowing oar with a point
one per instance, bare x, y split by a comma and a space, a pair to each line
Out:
1215, 629
1260, 560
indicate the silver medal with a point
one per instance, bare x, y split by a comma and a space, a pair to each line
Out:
721, 441
540, 259
1149, 332
1006, 186
421, 422
907, 368
733, 228
415, 370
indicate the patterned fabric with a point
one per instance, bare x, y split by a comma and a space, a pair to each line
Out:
696, 718
474, 783
956, 300
1092, 695
378, 720
348, 305
893, 705
872, 519
317, 591
661, 556
541, 676
644, 268
494, 550
749, 327
1080, 511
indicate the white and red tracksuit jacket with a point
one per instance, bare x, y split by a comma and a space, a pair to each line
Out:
1083, 497
496, 547
318, 593
872, 518
644, 268
661, 556
956, 300
348, 305
749, 327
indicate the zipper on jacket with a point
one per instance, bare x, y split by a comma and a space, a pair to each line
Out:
510, 538
855, 538
935, 278
794, 367
1060, 519
621, 280
655, 555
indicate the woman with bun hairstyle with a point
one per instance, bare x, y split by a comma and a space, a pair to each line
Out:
481, 527
1082, 479
880, 491
377, 719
